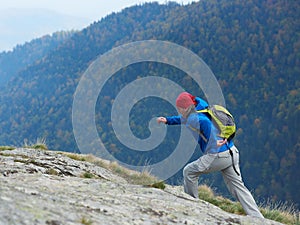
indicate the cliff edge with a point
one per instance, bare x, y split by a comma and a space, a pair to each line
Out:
49, 187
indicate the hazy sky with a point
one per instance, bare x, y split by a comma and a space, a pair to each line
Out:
24, 20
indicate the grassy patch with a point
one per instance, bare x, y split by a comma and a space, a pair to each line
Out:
282, 213
77, 157
86, 221
2, 148
88, 175
207, 194
159, 185
133, 177
39, 144
52, 171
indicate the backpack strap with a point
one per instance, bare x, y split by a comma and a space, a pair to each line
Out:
199, 132
202, 110
231, 153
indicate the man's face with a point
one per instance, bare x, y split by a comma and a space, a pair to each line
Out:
181, 111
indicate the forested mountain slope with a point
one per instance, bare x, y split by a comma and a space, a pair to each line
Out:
12, 62
252, 48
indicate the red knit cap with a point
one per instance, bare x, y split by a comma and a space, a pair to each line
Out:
184, 100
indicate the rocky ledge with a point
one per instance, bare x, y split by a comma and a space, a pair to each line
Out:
47, 187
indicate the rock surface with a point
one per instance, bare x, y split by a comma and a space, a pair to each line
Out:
46, 187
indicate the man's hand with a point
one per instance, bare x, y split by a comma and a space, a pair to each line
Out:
221, 142
161, 120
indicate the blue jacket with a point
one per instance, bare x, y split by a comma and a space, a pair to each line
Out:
199, 121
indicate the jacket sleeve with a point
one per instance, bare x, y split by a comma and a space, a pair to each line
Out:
174, 120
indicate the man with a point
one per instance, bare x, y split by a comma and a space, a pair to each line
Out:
216, 153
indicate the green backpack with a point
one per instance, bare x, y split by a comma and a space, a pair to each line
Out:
222, 119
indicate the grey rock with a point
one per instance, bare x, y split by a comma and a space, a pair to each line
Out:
46, 187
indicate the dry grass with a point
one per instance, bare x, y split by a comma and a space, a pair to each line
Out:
39, 144
283, 213
207, 194
133, 177
2, 148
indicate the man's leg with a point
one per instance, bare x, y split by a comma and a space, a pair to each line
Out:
205, 164
191, 174
237, 188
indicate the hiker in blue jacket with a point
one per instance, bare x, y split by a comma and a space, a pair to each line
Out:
216, 153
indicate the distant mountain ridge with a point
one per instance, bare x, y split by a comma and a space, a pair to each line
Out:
12, 62
20, 25
251, 46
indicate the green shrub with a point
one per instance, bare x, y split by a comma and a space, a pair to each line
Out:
86, 221
159, 185
88, 175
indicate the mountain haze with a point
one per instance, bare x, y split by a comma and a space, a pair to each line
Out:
23, 24
251, 46
12, 62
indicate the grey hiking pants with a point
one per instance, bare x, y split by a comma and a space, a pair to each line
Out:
221, 162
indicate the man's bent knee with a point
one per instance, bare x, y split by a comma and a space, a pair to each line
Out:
186, 171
